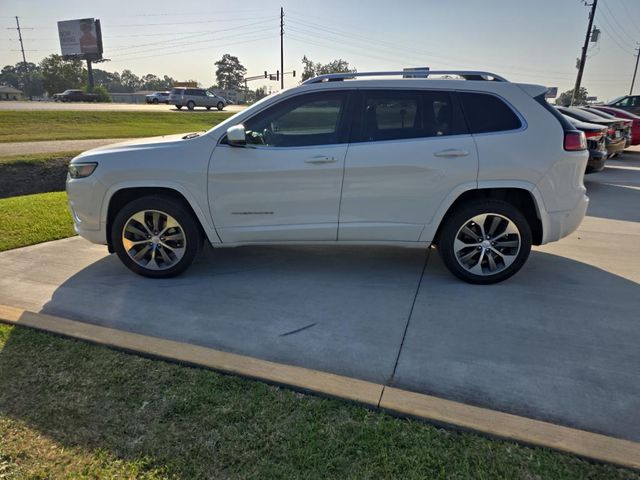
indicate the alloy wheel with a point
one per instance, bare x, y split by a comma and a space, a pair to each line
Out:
487, 244
154, 239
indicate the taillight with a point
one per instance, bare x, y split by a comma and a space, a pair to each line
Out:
611, 132
574, 141
593, 135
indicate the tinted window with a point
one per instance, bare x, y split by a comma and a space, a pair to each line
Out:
311, 119
176, 91
402, 114
487, 113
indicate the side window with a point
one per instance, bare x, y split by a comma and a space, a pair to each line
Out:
624, 102
305, 120
487, 113
404, 114
635, 102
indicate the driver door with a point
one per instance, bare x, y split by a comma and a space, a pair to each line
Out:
285, 184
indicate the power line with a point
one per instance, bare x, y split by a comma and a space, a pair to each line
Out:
611, 15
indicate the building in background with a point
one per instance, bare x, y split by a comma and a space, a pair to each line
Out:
10, 93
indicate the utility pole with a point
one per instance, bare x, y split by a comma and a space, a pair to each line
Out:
282, 48
24, 59
635, 71
583, 58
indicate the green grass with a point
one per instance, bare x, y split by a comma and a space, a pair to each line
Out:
69, 409
31, 219
35, 158
25, 126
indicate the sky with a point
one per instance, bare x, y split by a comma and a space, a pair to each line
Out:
532, 41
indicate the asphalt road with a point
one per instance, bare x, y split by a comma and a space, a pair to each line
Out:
557, 342
111, 107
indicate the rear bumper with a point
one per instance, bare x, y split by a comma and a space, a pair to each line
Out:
558, 225
597, 161
614, 147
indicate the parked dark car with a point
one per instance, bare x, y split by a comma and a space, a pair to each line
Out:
616, 129
627, 123
596, 142
616, 112
629, 103
158, 97
75, 96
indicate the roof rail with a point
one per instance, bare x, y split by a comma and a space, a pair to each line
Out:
466, 74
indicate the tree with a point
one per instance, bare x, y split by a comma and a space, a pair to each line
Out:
130, 81
230, 73
59, 74
26, 77
565, 97
314, 69
260, 93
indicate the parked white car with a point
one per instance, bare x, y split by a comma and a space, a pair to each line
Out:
480, 167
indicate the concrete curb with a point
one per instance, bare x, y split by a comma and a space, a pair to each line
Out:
578, 442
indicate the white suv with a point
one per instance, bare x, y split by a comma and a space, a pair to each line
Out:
480, 167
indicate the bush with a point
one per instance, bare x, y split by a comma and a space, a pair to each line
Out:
103, 94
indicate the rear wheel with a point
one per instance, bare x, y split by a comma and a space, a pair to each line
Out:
156, 236
191, 105
485, 242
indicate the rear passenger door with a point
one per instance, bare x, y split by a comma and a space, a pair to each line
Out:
409, 150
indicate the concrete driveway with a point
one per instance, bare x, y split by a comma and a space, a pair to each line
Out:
558, 342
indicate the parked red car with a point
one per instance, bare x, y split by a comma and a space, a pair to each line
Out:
616, 112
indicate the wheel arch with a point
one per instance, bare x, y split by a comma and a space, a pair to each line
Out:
522, 198
119, 197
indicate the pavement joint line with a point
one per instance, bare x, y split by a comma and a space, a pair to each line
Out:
413, 304
494, 423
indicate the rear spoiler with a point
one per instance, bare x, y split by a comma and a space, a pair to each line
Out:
533, 90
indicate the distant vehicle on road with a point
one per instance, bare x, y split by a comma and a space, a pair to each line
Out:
481, 168
158, 97
75, 96
616, 112
630, 103
196, 97
616, 129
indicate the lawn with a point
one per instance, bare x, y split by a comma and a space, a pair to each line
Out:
25, 126
69, 409
31, 219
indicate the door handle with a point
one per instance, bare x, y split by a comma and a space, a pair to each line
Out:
320, 159
451, 152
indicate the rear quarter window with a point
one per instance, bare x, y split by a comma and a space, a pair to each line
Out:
487, 113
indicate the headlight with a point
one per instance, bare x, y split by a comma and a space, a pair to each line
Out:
81, 170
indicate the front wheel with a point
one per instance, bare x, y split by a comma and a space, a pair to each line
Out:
485, 242
155, 101
156, 236
220, 106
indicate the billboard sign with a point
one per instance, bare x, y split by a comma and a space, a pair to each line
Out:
81, 38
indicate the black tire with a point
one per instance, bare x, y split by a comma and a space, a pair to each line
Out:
220, 106
155, 101
464, 214
208, 108
179, 107
191, 105
188, 224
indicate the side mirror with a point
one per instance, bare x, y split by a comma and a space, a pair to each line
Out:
237, 136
